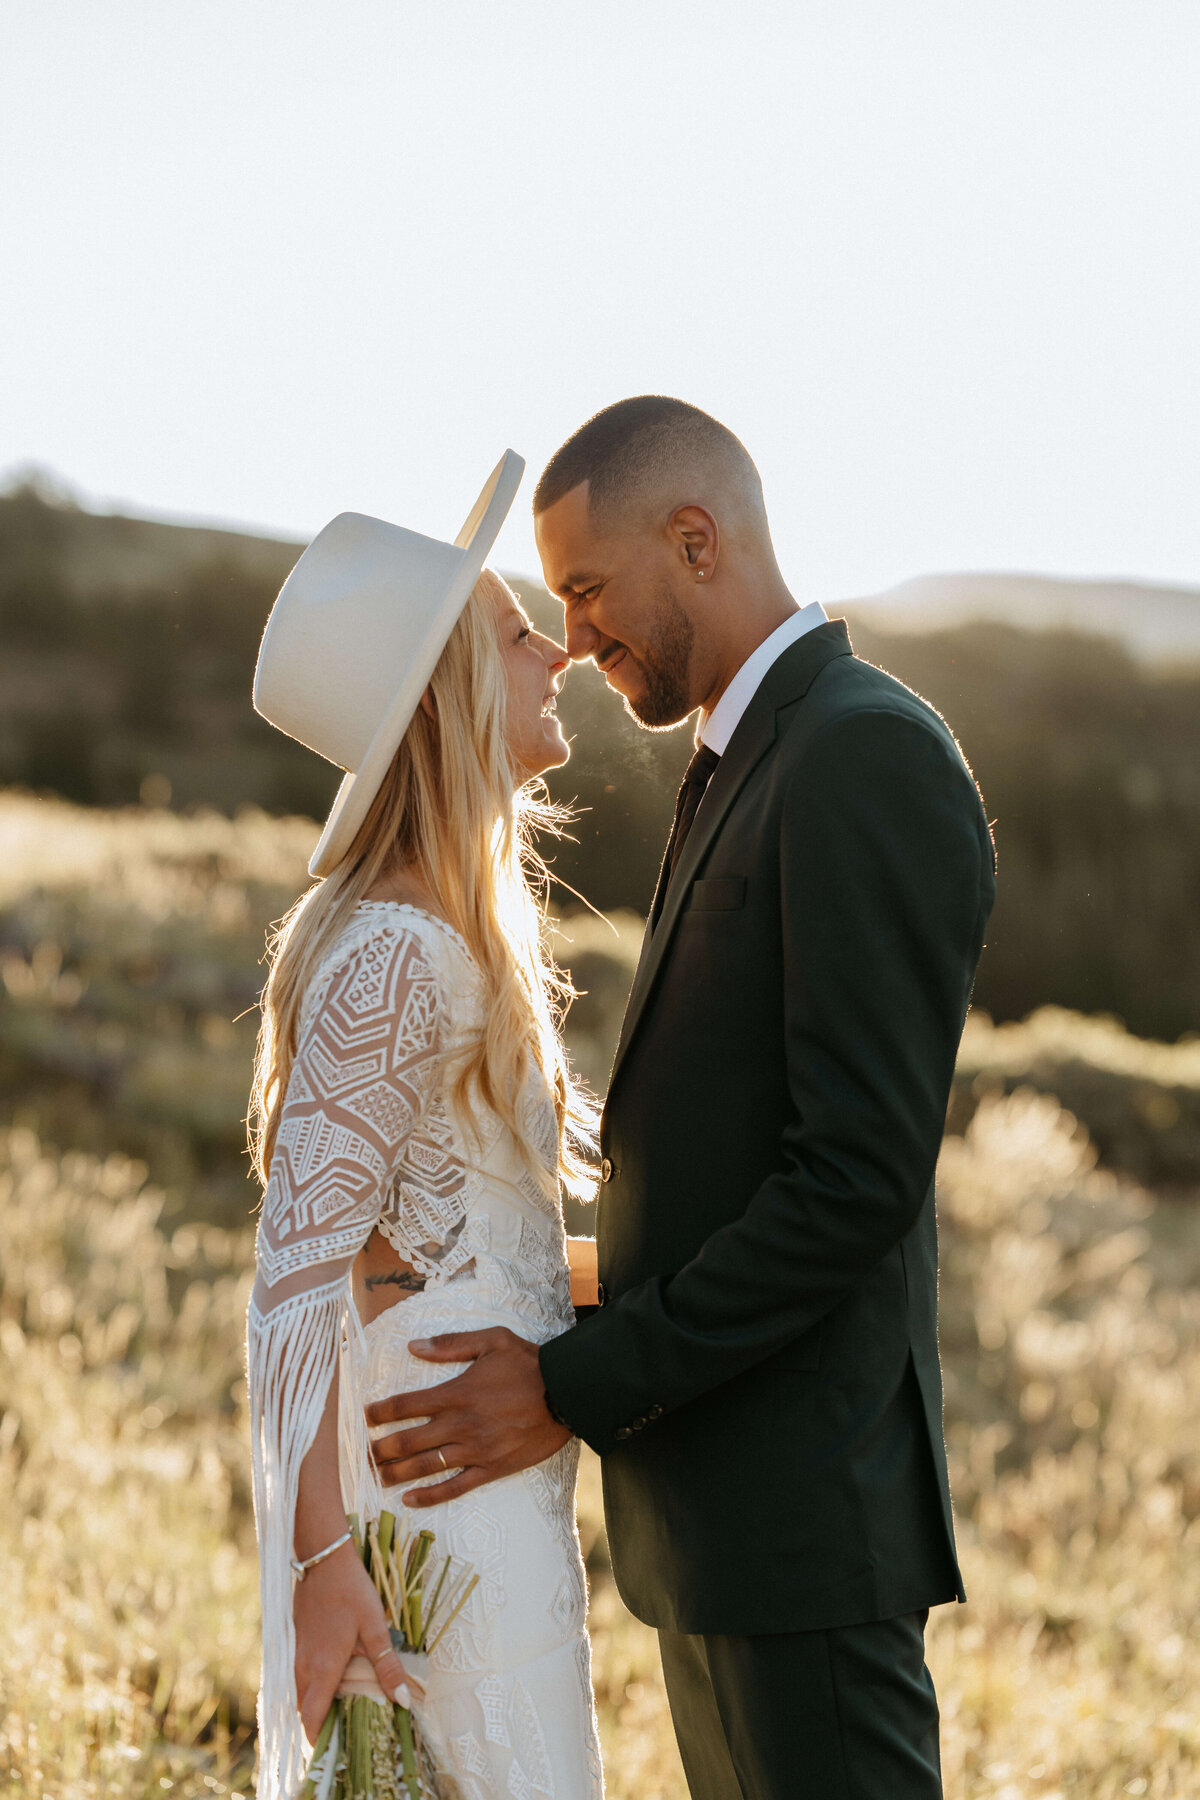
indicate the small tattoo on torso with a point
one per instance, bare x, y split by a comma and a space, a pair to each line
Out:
408, 1279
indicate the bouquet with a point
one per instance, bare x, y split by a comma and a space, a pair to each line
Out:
369, 1749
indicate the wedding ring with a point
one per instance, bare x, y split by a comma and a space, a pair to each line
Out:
442, 1460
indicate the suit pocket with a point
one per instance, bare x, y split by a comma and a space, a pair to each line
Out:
719, 893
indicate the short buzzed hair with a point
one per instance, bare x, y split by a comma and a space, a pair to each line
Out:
631, 447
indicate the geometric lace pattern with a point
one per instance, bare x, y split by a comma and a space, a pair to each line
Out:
364, 1067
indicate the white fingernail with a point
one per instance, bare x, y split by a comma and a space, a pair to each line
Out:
401, 1695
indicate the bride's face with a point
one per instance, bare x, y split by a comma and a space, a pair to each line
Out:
534, 665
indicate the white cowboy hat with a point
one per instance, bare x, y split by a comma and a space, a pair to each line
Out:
356, 632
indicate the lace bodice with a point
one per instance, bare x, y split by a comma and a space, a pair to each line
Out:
370, 1137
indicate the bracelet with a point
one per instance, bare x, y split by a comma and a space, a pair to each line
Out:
300, 1569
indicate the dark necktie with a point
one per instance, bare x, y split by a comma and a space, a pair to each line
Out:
696, 778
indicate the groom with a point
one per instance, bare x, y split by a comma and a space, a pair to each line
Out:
761, 1378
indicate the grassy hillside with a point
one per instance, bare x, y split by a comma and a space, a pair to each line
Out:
131, 948
1071, 1337
130, 962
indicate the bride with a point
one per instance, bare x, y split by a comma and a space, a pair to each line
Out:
413, 1114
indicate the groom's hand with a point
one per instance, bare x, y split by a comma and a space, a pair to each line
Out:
491, 1420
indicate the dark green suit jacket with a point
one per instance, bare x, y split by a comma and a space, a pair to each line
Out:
762, 1378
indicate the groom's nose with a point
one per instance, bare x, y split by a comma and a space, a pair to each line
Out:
582, 640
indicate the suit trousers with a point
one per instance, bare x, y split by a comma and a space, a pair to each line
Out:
844, 1714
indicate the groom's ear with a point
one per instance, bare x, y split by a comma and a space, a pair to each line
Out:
697, 538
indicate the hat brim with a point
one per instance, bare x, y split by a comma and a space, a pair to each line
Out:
354, 797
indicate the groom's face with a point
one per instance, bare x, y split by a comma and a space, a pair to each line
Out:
624, 598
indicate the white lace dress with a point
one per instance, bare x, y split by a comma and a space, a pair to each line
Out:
368, 1138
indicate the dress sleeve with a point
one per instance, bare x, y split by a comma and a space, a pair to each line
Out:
363, 1070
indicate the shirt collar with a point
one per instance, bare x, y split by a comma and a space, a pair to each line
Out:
718, 726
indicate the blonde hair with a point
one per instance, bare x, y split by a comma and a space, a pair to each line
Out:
452, 808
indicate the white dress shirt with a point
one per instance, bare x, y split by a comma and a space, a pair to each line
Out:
718, 726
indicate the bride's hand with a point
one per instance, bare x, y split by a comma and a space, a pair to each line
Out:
581, 1259
338, 1614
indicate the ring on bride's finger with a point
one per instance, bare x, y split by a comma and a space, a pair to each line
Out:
444, 1463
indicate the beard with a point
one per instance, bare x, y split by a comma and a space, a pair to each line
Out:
665, 666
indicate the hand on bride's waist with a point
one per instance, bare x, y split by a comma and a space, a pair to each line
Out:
489, 1421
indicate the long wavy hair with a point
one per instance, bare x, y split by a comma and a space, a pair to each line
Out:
453, 809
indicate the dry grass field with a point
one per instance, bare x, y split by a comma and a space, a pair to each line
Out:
1071, 1339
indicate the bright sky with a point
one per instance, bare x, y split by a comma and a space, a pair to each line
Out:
937, 262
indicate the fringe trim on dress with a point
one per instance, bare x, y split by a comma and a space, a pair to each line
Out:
291, 1355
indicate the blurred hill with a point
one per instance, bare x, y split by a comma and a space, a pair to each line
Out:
46, 533
1155, 624
126, 653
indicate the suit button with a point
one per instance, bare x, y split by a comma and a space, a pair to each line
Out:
606, 1170
601, 1294
654, 1413
623, 1431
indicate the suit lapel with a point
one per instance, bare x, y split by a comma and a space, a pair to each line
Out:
786, 681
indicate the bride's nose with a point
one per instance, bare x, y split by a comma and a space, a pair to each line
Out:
556, 657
